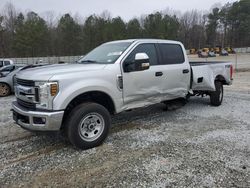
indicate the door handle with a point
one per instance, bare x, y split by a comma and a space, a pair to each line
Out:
158, 73
185, 71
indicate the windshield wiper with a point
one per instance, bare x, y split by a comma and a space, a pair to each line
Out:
88, 61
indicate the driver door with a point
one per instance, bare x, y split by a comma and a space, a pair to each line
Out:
141, 88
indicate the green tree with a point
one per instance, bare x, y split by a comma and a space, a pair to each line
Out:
225, 22
161, 26
239, 20
19, 45
212, 26
95, 32
117, 28
9, 17
134, 29
171, 27
30, 36
69, 36
2, 31
154, 26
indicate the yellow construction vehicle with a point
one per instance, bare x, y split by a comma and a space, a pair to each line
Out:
230, 50
205, 50
217, 50
193, 51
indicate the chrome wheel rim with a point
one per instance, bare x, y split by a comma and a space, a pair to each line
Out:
91, 127
4, 89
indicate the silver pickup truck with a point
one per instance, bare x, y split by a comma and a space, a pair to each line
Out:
116, 76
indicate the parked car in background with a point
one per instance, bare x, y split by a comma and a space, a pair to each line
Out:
6, 79
202, 54
5, 62
224, 53
4, 71
230, 50
211, 54
217, 49
7, 74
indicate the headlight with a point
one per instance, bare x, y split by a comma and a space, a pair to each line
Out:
46, 93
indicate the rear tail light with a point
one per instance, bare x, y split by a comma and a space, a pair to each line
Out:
231, 72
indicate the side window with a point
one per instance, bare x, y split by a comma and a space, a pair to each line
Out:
149, 49
171, 54
6, 63
1, 63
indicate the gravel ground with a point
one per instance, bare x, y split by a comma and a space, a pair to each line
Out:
194, 146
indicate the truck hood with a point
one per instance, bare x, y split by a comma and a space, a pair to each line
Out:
44, 73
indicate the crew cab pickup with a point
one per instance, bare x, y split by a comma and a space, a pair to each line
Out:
117, 76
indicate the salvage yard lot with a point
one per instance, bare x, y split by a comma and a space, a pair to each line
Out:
196, 145
241, 61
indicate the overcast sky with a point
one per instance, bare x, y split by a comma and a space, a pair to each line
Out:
124, 8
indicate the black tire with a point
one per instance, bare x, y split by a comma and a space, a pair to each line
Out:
216, 97
77, 128
4, 90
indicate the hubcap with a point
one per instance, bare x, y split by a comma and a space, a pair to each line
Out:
91, 127
4, 89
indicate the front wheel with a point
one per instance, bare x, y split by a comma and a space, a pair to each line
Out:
216, 97
88, 125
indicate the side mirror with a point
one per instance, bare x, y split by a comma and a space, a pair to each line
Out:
141, 61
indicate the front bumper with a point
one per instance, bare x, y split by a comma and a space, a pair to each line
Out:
37, 120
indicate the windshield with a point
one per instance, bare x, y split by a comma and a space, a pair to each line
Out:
106, 53
7, 68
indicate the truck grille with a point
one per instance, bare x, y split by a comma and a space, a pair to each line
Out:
25, 104
25, 82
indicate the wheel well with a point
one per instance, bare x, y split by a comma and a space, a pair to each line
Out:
5, 83
93, 96
221, 79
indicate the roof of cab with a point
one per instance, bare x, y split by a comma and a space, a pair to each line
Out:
5, 59
144, 40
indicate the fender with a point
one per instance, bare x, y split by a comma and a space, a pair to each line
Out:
68, 93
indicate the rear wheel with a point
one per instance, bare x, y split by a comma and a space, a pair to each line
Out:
4, 90
216, 97
87, 125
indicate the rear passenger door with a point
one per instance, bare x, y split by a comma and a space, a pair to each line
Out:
175, 69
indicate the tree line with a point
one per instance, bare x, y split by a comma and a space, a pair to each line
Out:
31, 35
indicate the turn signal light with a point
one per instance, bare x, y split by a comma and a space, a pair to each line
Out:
53, 89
